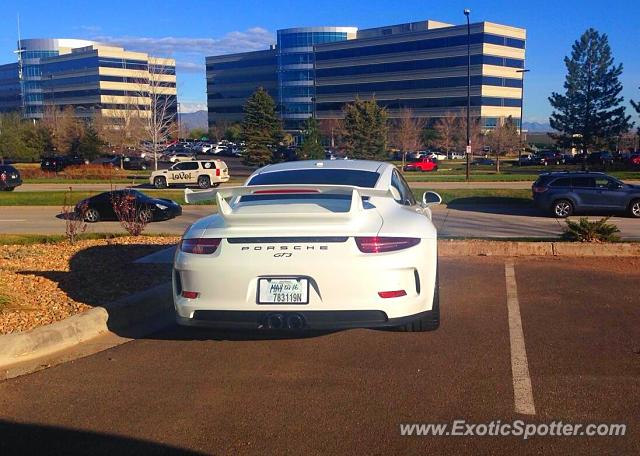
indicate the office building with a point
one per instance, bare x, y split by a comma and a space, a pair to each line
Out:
418, 65
90, 77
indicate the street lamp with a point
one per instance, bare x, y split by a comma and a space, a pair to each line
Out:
523, 71
468, 154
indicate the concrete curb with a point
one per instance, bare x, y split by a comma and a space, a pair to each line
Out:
152, 309
478, 247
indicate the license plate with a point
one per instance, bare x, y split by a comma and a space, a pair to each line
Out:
283, 291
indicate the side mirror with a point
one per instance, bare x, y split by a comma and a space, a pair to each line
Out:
431, 199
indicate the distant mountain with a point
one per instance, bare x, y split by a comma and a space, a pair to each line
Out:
536, 127
191, 120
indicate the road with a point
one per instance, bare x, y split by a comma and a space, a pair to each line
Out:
202, 392
430, 185
452, 221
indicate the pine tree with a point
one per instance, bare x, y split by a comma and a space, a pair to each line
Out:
365, 130
311, 148
636, 106
261, 128
590, 113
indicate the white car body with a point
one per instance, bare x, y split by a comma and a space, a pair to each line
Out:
281, 235
436, 156
181, 156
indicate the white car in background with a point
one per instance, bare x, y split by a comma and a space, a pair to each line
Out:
311, 245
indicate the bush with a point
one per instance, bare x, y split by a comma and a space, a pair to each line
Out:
74, 172
586, 231
132, 215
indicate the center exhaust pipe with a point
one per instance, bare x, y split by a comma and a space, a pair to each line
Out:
295, 321
275, 321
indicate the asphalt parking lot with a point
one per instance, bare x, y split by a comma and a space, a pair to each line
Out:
203, 392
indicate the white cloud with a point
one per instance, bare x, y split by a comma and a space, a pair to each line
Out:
187, 106
190, 67
250, 40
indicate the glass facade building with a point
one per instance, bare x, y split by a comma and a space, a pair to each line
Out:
296, 69
420, 65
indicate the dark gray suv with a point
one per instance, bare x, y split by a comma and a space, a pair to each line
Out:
564, 193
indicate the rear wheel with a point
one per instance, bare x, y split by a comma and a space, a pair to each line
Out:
429, 322
159, 182
91, 215
562, 208
204, 182
634, 208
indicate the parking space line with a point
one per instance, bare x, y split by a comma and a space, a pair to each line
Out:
522, 391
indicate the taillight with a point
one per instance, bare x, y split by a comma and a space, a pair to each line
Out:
200, 246
385, 244
217, 172
392, 294
540, 189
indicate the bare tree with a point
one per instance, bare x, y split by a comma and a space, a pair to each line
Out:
332, 130
74, 217
475, 133
407, 132
447, 129
65, 128
503, 139
124, 126
160, 115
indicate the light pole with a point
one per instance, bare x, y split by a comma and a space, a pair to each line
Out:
468, 154
523, 71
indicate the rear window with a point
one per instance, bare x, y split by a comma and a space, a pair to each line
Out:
543, 180
357, 178
562, 182
583, 182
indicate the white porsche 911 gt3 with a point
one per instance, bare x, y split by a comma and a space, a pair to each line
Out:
311, 245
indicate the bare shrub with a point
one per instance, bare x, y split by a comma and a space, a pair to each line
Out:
132, 215
74, 223
93, 172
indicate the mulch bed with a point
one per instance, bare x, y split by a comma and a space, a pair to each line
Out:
44, 283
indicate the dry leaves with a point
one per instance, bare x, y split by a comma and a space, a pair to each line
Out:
44, 283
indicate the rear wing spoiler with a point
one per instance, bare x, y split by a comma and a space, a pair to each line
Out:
226, 211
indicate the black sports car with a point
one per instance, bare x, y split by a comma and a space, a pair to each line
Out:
101, 207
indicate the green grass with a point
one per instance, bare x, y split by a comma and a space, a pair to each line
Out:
475, 196
481, 196
4, 301
29, 239
56, 198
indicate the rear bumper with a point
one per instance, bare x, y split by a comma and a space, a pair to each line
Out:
291, 320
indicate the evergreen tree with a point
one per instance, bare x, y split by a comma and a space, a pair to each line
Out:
365, 130
90, 143
261, 128
311, 148
590, 113
636, 106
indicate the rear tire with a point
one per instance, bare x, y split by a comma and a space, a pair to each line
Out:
204, 182
562, 208
634, 208
160, 182
429, 322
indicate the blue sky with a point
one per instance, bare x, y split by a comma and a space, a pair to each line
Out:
189, 30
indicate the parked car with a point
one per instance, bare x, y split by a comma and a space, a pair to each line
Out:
528, 160
423, 164
600, 159
9, 178
125, 162
548, 157
634, 160
57, 163
101, 207
483, 162
564, 193
203, 173
456, 155
436, 156
176, 157
262, 263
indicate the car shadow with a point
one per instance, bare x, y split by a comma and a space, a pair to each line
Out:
25, 438
182, 333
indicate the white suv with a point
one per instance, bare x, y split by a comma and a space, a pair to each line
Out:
203, 173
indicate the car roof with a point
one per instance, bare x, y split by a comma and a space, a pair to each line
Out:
361, 165
573, 173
